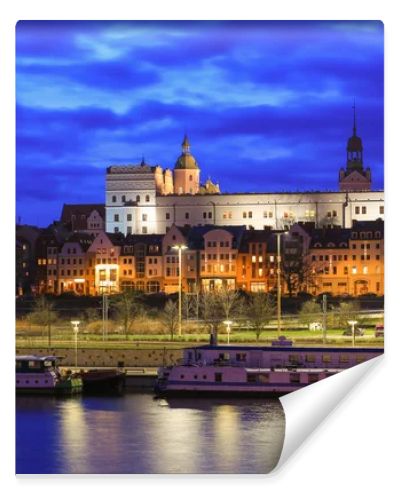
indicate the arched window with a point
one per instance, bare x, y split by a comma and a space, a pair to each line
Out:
113, 199
190, 177
137, 199
147, 197
123, 198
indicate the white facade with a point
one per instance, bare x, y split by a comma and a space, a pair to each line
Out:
277, 210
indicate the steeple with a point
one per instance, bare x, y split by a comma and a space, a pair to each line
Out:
185, 145
142, 163
354, 147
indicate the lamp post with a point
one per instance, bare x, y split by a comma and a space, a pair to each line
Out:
353, 323
278, 271
75, 325
228, 324
180, 247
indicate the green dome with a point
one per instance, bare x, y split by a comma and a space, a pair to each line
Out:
187, 162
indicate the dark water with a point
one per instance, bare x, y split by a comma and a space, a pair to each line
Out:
138, 434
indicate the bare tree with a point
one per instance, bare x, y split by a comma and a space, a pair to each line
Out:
347, 311
126, 308
44, 315
229, 300
212, 311
170, 318
310, 312
261, 310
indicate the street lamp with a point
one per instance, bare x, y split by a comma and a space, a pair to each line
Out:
180, 247
353, 323
228, 324
278, 271
75, 324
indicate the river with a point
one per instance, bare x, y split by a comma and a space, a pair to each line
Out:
136, 433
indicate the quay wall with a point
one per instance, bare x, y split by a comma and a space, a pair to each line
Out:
152, 357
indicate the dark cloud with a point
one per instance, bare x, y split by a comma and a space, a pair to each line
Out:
296, 144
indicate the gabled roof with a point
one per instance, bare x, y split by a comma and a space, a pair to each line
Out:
195, 235
84, 240
321, 238
78, 210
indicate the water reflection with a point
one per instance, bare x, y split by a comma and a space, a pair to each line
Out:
138, 434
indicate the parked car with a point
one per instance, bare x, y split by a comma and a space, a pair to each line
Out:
357, 330
379, 331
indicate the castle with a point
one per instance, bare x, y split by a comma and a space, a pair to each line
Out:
144, 199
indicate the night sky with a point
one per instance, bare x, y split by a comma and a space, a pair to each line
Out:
267, 105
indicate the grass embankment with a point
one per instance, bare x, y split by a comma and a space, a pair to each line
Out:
148, 341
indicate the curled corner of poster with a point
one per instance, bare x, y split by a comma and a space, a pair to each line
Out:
307, 408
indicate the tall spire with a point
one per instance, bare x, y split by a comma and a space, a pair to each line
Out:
354, 118
185, 144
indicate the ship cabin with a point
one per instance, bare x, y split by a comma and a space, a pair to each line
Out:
279, 356
36, 364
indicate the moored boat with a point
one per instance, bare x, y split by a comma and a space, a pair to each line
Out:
108, 381
42, 375
250, 370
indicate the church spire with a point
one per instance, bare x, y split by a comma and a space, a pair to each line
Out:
185, 144
354, 118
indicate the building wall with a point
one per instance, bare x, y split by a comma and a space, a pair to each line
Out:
275, 210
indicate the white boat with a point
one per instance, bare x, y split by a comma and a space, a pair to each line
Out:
41, 375
274, 370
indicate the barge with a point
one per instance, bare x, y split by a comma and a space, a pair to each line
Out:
274, 370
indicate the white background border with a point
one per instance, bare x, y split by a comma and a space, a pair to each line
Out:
355, 451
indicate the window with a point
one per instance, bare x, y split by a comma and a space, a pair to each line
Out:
129, 217
364, 210
334, 213
123, 199
144, 217
147, 198
137, 199
218, 377
357, 210
381, 210
144, 230
250, 215
167, 216
187, 215
204, 215
116, 229
116, 217
129, 230
209, 215
113, 199
244, 215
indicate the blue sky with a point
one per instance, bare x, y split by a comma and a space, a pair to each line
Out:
267, 105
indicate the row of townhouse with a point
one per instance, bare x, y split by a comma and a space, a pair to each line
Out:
335, 260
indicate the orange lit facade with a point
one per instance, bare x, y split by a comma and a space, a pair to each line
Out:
333, 260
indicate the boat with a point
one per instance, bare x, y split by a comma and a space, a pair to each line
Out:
42, 375
273, 370
107, 381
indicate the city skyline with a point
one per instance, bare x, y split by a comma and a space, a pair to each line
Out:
92, 94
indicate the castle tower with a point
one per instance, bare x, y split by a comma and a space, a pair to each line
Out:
186, 171
354, 177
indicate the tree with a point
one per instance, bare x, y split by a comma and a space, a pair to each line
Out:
126, 308
310, 313
212, 310
261, 310
348, 311
170, 318
43, 314
229, 300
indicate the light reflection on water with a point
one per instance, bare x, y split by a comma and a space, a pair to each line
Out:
139, 434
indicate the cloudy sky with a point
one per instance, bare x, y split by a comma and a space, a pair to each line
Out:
267, 105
